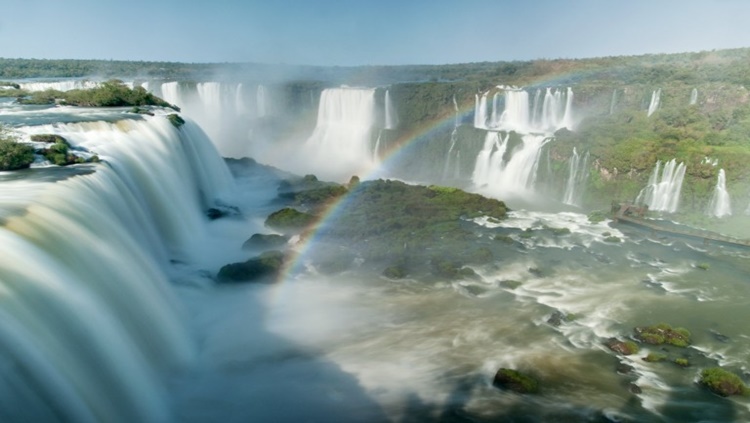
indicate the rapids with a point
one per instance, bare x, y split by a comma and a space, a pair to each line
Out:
109, 311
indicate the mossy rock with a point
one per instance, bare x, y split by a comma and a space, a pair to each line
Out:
560, 231
612, 239
722, 382
515, 381
663, 333
14, 155
598, 216
682, 362
258, 269
503, 238
49, 139
395, 272
289, 220
265, 241
510, 284
527, 233
703, 266
176, 120
622, 347
655, 357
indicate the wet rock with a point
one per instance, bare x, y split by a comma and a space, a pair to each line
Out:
635, 389
515, 381
624, 369
259, 269
622, 347
265, 241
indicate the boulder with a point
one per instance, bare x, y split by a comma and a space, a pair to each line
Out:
515, 381
265, 242
259, 269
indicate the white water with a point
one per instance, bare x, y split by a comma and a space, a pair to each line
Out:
654, 104
391, 120
452, 166
613, 102
90, 330
694, 96
340, 145
66, 85
536, 121
577, 176
664, 186
720, 205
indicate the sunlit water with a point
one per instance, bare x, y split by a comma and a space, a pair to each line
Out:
359, 347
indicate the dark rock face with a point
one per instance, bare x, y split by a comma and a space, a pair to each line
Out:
515, 381
262, 268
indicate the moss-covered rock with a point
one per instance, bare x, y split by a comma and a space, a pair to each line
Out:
289, 220
663, 333
722, 382
622, 347
14, 155
259, 269
682, 362
510, 284
49, 139
655, 357
395, 272
265, 241
175, 119
515, 381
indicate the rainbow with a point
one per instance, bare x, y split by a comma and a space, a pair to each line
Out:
403, 145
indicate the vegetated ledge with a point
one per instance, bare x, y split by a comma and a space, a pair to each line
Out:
112, 93
407, 230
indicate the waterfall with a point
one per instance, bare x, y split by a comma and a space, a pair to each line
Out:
67, 85
654, 104
391, 120
260, 100
534, 121
613, 102
720, 205
516, 176
89, 328
694, 96
663, 190
577, 176
450, 170
340, 145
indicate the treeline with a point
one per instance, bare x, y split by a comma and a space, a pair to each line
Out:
729, 66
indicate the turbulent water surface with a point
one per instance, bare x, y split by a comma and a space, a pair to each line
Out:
110, 312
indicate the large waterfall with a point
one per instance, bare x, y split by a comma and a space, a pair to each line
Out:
577, 176
720, 204
499, 171
90, 330
391, 119
694, 96
664, 186
341, 144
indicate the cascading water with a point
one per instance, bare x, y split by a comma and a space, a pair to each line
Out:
66, 85
535, 122
720, 205
391, 120
90, 329
577, 176
613, 102
664, 186
340, 145
451, 168
694, 96
260, 101
654, 104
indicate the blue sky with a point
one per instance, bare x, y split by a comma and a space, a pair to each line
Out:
365, 32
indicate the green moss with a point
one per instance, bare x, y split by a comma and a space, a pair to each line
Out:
722, 382
597, 216
49, 138
663, 333
176, 120
289, 220
14, 155
612, 239
515, 381
622, 347
655, 357
259, 268
682, 362
702, 266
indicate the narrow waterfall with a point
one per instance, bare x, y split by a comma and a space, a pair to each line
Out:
694, 97
90, 330
535, 121
664, 186
577, 177
613, 102
451, 168
654, 104
260, 101
720, 204
391, 120
340, 145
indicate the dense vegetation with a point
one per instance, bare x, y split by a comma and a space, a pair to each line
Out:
14, 155
112, 93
